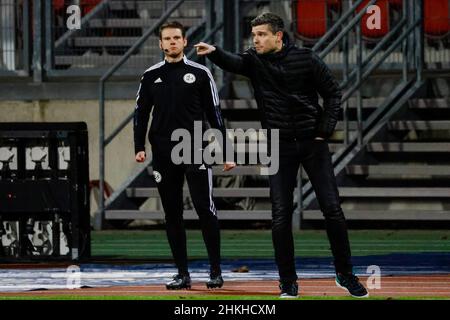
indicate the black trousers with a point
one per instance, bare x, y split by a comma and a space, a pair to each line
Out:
315, 157
170, 180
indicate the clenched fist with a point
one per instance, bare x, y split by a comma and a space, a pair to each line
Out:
228, 166
140, 156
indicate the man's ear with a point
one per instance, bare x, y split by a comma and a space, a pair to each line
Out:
185, 42
160, 44
280, 36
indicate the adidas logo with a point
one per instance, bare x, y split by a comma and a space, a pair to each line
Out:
202, 167
158, 80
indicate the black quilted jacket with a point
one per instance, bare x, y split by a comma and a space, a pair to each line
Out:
286, 87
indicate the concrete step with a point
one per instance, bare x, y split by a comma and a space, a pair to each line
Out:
245, 125
419, 125
217, 192
399, 170
137, 23
188, 215
136, 61
106, 41
378, 215
352, 125
238, 104
190, 7
441, 147
386, 192
435, 103
240, 170
438, 103
344, 192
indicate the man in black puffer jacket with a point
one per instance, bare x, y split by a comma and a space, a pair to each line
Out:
287, 81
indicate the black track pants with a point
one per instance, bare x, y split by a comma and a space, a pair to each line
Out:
170, 180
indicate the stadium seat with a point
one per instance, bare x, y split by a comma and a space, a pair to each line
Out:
397, 4
335, 4
375, 34
311, 19
88, 5
58, 5
436, 18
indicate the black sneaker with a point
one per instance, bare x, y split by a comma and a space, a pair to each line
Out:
215, 281
351, 283
289, 290
179, 282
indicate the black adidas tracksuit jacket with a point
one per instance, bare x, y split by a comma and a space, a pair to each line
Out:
179, 94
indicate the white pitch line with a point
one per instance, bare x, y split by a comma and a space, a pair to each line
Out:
270, 244
260, 250
175, 293
268, 240
327, 288
231, 287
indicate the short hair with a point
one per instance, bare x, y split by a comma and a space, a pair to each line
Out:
172, 25
275, 22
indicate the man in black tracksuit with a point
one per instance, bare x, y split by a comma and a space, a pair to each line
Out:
286, 81
180, 92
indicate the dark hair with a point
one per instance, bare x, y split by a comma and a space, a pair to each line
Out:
275, 22
172, 25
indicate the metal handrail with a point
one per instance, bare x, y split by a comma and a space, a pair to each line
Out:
337, 24
361, 76
374, 65
344, 32
377, 49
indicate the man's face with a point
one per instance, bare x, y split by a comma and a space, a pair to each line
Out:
172, 42
264, 40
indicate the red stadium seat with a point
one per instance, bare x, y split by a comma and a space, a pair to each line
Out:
88, 5
375, 34
436, 18
335, 4
311, 18
58, 5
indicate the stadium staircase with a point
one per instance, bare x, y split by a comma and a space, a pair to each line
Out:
112, 27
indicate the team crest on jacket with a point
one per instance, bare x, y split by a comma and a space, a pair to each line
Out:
189, 78
157, 176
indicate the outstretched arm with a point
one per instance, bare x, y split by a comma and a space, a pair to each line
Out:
236, 63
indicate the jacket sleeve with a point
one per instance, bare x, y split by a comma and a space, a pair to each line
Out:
211, 104
236, 63
211, 107
144, 104
329, 90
